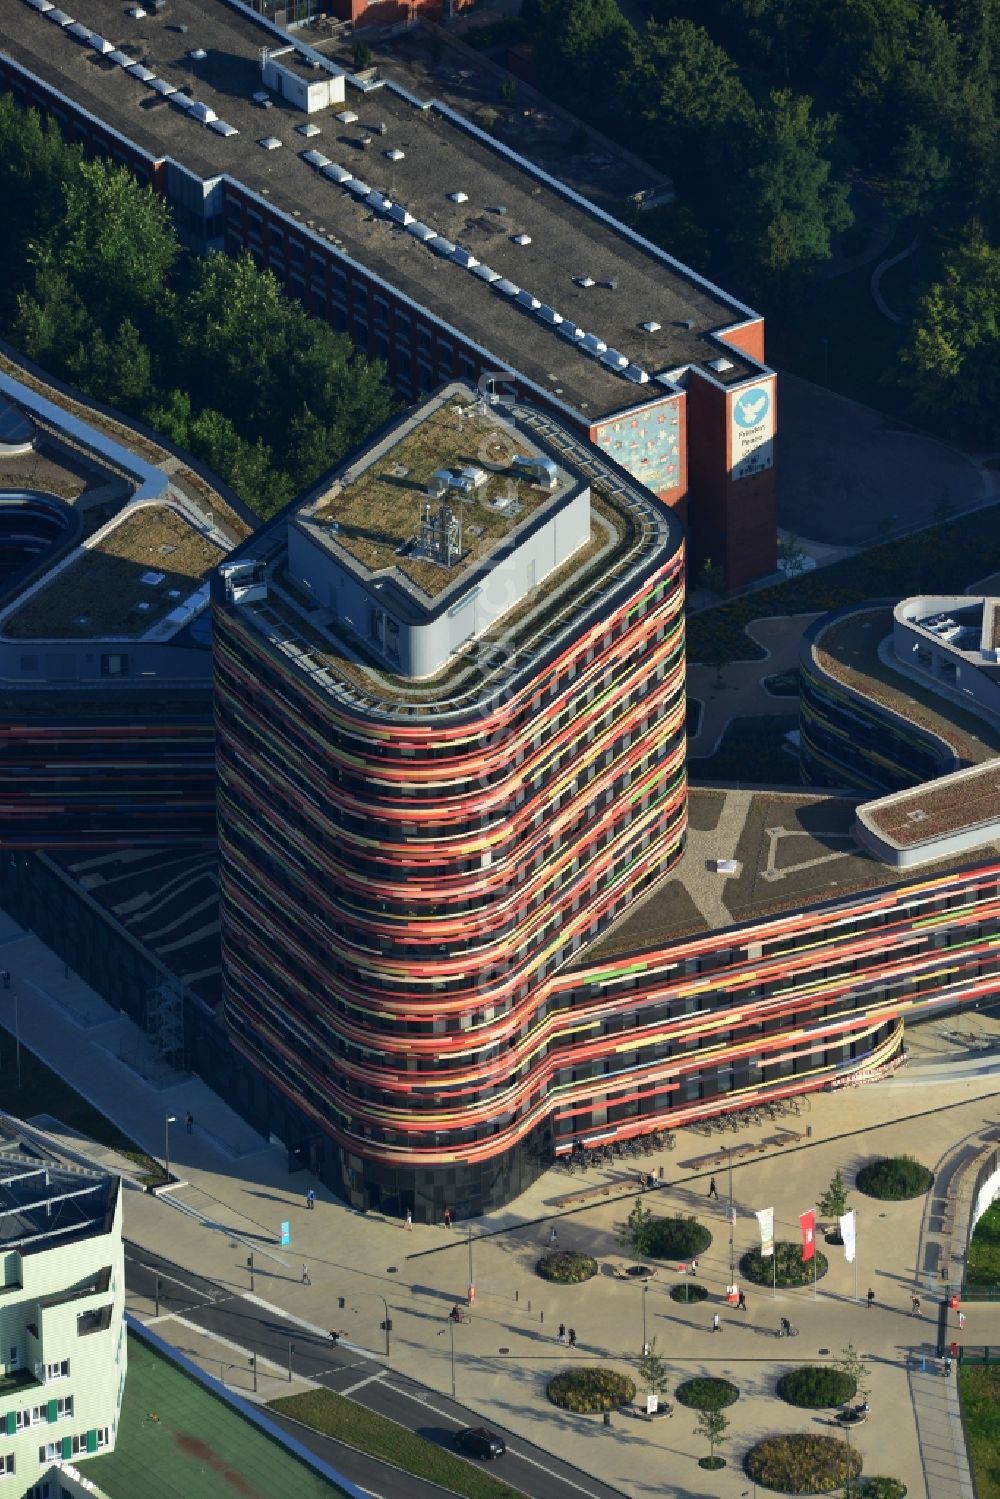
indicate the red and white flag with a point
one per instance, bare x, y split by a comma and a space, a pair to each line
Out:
807, 1222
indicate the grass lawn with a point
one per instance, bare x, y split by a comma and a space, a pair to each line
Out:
982, 1266
336, 1417
752, 749
943, 559
43, 1091
175, 1438
979, 1389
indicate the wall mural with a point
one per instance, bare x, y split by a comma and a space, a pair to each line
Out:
647, 443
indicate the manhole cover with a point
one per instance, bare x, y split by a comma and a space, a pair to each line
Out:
391, 1270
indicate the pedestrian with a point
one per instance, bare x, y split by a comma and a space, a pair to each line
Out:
914, 1305
305, 1274
871, 1298
447, 1217
572, 1337
334, 1337
562, 1332
553, 1238
961, 1321
694, 1264
947, 1365
741, 1305
713, 1190
716, 1323
189, 1121
651, 1181
310, 1199
409, 1219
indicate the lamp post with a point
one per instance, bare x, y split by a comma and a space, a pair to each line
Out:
645, 1288
472, 1283
168, 1121
252, 1361
387, 1324
451, 1335
732, 1217
291, 1350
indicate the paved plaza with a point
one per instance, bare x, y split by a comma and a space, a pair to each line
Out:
236, 1191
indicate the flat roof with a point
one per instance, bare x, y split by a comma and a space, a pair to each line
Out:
952, 804
128, 577
45, 1203
51, 468
374, 509
847, 650
792, 850
567, 239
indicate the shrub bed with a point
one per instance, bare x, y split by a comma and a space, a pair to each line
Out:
814, 1386
590, 1389
894, 1178
688, 1290
787, 1269
880, 1488
566, 1268
802, 1464
677, 1238
706, 1393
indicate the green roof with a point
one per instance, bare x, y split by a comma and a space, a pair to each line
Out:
176, 1440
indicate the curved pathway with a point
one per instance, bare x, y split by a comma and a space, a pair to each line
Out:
736, 691
879, 272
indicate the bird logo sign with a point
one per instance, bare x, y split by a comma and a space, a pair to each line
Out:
753, 431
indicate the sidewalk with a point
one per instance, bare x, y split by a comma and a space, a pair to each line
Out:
237, 1192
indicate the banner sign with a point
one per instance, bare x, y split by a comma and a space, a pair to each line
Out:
752, 431
286, 1234
765, 1219
807, 1222
846, 1224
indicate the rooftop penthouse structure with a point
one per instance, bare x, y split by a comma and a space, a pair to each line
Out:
435, 246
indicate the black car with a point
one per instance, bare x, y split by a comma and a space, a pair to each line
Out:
476, 1441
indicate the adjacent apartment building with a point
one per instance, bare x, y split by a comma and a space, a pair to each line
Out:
436, 247
63, 1347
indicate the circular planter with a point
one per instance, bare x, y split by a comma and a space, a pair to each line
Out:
816, 1387
707, 1393
565, 1268
802, 1464
677, 1239
787, 1268
894, 1179
712, 1463
688, 1290
590, 1389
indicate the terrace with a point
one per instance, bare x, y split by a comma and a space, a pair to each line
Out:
953, 804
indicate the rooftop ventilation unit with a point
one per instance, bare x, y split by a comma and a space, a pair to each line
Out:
378, 201
101, 44
400, 215
521, 239
396, 154
269, 143
525, 299
550, 316
197, 54
570, 332
420, 231
347, 117
611, 285
459, 197
635, 374
357, 187
584, 281
381, 128
505, 287
651, 327
42, 5
137, 13
308, 130
121, 59
177, 100
336, 173
686, 322
485, 273
221, 127
441, 246
162, 87
465, 258
315, 159
721, 365
261, 97
59, 17
78, 31
614, 360
203, 113
594, 345
140, 71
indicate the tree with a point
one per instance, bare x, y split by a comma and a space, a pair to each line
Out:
117, 371
853, 1365
712, 1427
711, 577
635, 1234
833, 1203
582, 44
51, 323
920, 173
116, 243
361, 57
948, 365
791, 555
653, 1370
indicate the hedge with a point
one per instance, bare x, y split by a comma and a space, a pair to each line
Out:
590, 1389
802, 1464
812, 1387
566, 1268
677, 1238
894, 1178
707, 1393
787, 1268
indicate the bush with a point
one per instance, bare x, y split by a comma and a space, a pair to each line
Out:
802, 1464
688, 1290
707, 1393
593, 1389
566, 1268
880, 1488
813, 1387
788, 1268
677, 1238
894, 1178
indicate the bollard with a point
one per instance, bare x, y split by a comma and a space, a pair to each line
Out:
517, 1295
607, 1418
529, 1308
541, 1317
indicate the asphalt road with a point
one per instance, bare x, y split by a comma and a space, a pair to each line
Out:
217, 1309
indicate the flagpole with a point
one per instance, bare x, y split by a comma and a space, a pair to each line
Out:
774, 1274
855, 1254
815, 1280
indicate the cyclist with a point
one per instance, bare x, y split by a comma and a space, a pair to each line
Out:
785, 1330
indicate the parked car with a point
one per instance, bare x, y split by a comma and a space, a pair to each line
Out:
477, 1441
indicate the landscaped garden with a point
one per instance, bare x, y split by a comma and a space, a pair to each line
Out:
979, 1390
785, 1267
814, 1387
566, 1268
590, 1389
894, 1178
801, 1463
707, 1393
982, 1264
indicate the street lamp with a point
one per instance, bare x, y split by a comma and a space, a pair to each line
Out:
732, 1217
252, 1361
291, 1350
168, 1121
387, 1324
645, 1288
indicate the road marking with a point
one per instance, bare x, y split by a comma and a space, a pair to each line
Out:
216, 1337
163, 1275
361, 1383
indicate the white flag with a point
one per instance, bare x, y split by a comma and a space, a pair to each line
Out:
765, 1219
846, 1226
